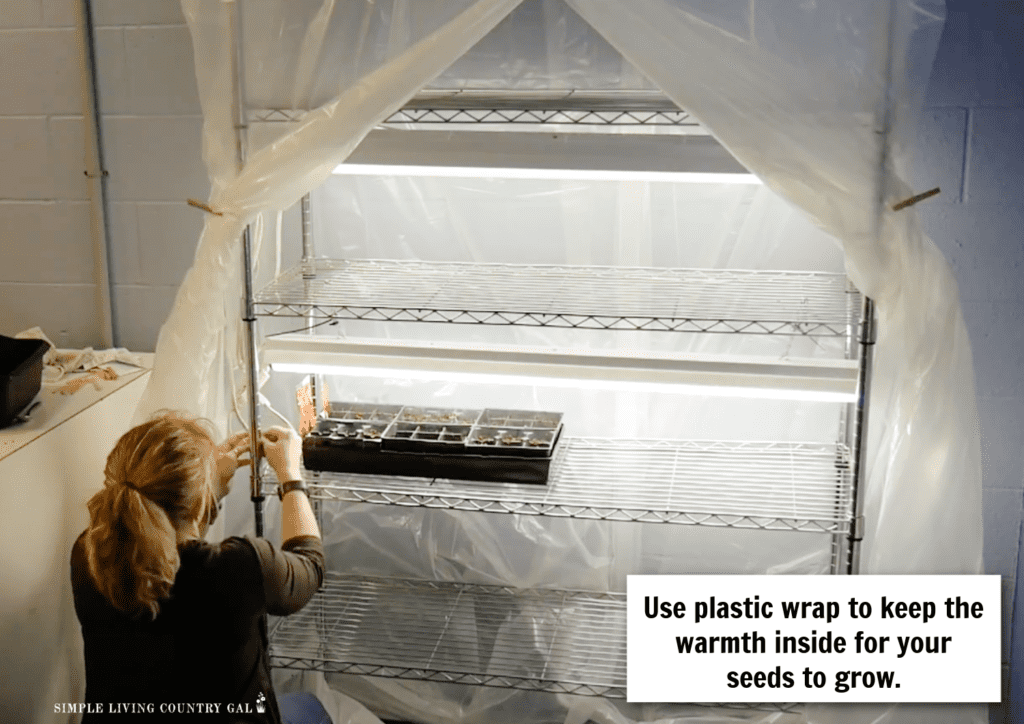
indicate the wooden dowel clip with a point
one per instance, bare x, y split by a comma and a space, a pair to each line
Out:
914, 199
200, 205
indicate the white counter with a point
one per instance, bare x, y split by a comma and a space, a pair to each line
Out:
56, 409
49, 467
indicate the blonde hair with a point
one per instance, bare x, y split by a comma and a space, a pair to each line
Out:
159, 488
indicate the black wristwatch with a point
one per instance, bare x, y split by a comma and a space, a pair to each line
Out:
289, 486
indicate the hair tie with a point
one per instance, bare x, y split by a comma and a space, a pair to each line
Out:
130, 484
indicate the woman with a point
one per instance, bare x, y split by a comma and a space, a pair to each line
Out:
175, 627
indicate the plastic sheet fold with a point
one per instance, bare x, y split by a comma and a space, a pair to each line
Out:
819, 99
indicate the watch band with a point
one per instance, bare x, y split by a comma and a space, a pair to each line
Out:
289, 486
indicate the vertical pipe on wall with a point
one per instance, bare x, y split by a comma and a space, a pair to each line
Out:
97, 175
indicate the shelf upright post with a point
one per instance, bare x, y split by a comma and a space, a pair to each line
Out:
844, 440
308, 250
885, 114
308, 274
867, 336
249, 314
256, 484
316, 391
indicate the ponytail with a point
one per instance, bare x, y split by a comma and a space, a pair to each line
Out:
158, 490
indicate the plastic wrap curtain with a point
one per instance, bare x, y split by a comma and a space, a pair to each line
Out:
817, 98
198, 345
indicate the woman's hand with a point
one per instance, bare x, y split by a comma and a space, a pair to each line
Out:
229, 458
282, 447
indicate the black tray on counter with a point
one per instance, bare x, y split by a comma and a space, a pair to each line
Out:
21, 375
486, 445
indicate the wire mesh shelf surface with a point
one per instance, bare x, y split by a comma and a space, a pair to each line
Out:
443, 117
682, 300
546, 640
767, 485
565, 642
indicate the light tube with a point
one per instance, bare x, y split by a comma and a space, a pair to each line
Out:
581, 384
362, 169
830, 381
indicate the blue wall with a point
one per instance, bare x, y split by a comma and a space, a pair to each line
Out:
971, 143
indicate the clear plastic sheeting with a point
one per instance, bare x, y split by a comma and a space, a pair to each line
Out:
303, 55
201, 343
568, 55
817, 98
820, 101
592, 223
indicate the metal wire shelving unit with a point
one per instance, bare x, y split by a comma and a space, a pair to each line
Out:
558, 641
549, 640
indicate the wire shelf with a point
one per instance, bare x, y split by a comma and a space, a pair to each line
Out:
563, 642
568, 110
524, 116
808, 304
543, 640
764, 485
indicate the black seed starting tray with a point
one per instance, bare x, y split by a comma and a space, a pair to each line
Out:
486, 445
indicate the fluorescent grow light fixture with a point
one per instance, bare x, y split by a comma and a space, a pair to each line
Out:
615, 370
362, 169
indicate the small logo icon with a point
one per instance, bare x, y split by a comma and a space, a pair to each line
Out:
261, 703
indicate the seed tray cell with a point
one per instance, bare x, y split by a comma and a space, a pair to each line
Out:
531, 442
425, 437
343, 433
520, 418
438, 415
360, 411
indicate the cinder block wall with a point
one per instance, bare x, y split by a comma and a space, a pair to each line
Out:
152, 130
152, 126
47, 274
971, 144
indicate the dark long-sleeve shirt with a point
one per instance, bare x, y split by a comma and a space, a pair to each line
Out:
207, 648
